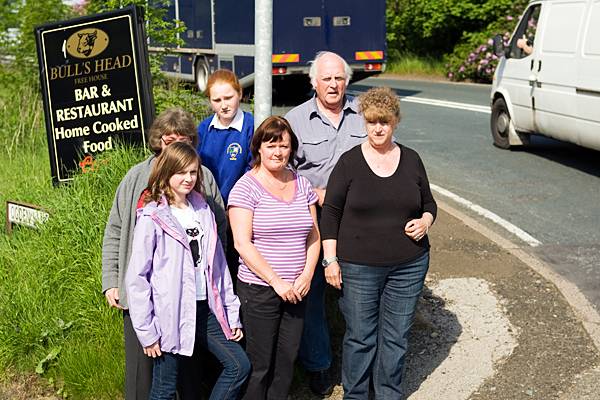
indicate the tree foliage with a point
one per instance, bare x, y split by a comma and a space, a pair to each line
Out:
458, 30
472, 57
161, 31
18, 20
427, 27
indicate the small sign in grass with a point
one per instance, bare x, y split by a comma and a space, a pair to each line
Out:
24, 214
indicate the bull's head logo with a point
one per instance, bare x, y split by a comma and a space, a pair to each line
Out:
87, 43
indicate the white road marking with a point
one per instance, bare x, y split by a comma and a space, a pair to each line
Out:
447, 104
521, 234
439, 103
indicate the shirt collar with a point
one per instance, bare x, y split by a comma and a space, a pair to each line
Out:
237, 123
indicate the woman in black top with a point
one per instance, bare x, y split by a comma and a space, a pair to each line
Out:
376, 215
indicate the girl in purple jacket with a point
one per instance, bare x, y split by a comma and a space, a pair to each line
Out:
180, 290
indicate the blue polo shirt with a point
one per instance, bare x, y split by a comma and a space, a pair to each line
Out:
226, 151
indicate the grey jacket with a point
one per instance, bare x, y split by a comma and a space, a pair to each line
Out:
118, 234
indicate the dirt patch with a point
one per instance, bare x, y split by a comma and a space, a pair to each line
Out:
25, 387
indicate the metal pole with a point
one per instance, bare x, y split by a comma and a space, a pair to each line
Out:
263, 50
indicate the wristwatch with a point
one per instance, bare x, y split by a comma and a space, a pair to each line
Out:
328, 261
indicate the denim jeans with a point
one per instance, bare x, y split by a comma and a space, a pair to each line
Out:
378, 304
164, 377
209, 335
315, 347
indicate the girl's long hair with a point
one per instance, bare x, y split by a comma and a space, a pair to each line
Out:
173, 159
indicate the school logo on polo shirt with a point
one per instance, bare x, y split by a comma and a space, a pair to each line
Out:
234, 149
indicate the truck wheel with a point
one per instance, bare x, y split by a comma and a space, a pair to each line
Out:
500, 124
201, 75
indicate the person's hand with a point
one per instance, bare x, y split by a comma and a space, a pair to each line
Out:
416, 229
153, 350
302, 284
333, 275
286, 291
236, 334
522, 43
321, 194
112, 297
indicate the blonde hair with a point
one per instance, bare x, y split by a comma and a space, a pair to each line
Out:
173, 159
380, 104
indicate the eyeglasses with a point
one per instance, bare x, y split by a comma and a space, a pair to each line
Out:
169, 138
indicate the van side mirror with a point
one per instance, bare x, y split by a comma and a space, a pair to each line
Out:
499, 49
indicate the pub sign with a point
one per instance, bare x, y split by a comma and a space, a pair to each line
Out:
96, 87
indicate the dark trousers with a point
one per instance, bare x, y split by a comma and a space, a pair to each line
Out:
273, 332
138, 366
315, 347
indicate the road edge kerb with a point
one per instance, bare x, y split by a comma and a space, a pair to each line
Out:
583, 309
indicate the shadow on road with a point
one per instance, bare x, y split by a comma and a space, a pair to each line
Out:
568, 154
399, 92
435, 331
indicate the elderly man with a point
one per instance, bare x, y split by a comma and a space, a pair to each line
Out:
327, 125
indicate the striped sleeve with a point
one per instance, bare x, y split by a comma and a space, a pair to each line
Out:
244, 194
307, 189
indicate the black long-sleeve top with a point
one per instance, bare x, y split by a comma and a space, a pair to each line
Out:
367, 213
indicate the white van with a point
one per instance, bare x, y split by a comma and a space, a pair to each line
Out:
555, 89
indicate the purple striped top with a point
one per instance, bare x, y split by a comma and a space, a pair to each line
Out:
279, 228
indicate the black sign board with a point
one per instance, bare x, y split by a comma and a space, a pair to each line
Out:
96, 87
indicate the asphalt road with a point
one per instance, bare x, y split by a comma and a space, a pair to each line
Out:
550, 189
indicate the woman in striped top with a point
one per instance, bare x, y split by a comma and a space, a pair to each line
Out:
273, 218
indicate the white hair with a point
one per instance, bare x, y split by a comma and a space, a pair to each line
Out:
314, 66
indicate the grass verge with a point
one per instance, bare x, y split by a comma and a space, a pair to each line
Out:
53, 318
412, 65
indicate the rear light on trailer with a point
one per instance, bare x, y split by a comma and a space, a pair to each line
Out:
373, 67
279, 70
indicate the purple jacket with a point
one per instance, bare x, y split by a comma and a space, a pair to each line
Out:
161, 282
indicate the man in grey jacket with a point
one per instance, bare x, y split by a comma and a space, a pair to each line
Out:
171, 125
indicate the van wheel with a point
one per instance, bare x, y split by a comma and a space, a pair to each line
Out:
201, 75
500, 124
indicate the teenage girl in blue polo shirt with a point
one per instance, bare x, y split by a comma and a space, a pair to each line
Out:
225, 137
